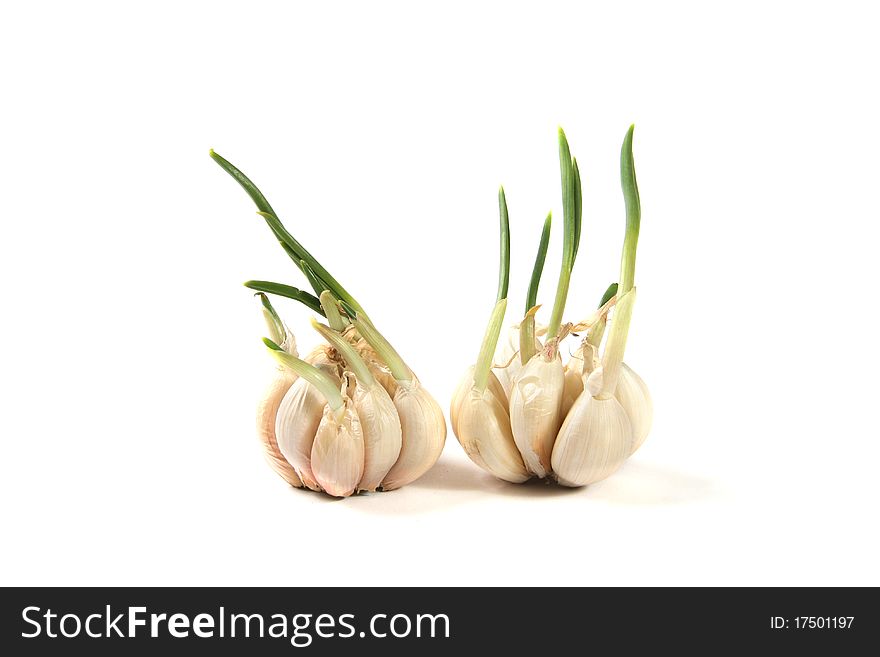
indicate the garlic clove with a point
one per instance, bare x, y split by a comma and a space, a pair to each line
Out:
382, 434
467, 381
497, 389
267, 412
634, 397
423, 434
296, 424
299, 415
337, 457
536, 410
594, 441
483, 429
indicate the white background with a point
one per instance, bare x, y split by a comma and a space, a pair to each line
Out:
131, 359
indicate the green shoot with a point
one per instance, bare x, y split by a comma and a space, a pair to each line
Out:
570, 234
538, 270
633, 213
282, 290
504, 260
293, 248
527, 336
331, 311
578, 204
273, 321
626, 292
487, 349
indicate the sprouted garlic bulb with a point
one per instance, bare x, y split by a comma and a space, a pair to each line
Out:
576, 423
351, 416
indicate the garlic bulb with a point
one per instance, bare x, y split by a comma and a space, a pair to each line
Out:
351, 416
337, 456
536, 409
633, 395
576, 423
594, 441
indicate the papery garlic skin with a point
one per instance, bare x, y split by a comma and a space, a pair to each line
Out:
424, 434
374, 362
483, 429
581, 364
594, 441
633, 395
382, 435
267, 412
337, 458
464, 387
326, 359
574, 381
507, 356
536, 410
